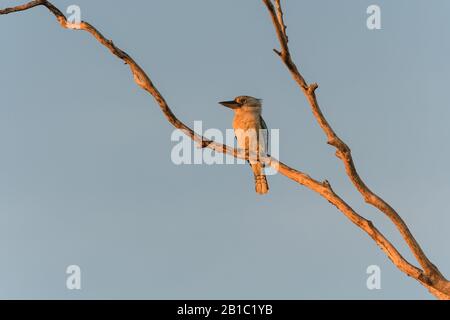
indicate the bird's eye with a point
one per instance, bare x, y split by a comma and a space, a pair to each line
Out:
243, 101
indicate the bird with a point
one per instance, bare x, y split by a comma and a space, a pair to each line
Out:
251, 134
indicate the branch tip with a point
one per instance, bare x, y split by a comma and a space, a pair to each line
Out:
312, 87
327, 184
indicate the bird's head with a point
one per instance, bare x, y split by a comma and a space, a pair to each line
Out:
242, 102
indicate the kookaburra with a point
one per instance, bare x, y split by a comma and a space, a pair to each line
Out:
251, 134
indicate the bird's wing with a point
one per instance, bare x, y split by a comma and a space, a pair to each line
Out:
265, 134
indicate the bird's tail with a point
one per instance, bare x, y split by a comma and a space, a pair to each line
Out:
261, 185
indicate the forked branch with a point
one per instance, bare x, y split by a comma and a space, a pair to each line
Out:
430, 277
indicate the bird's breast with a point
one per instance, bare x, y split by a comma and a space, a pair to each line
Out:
243, 124
245, 121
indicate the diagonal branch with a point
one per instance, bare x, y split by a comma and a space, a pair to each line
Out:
280, 21
322, 188
343, 152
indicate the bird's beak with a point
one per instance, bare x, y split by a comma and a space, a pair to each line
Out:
230, 104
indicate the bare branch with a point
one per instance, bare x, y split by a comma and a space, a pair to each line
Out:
281, 21
322, 188
23, 7
343, 151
